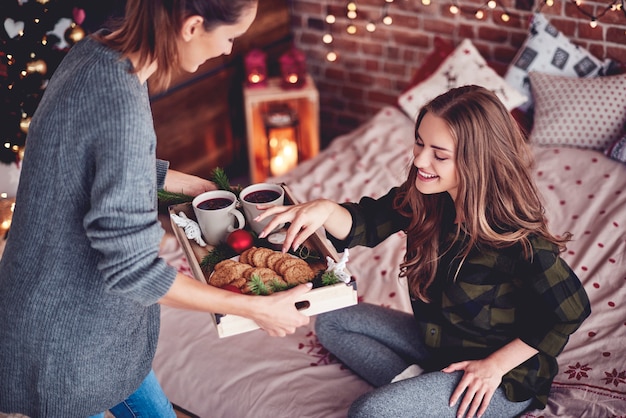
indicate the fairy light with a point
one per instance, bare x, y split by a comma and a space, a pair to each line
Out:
456, 9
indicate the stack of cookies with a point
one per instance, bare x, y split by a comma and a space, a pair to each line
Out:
271, 267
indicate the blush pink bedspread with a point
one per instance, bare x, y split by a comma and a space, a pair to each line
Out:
254, 375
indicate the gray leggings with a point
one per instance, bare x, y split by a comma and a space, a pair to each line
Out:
379, 343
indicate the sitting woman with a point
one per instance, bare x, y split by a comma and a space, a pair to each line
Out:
493, 302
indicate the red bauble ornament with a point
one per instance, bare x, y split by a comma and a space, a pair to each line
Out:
240, 240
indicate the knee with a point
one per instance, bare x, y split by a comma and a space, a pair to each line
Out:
366, 407
324, 326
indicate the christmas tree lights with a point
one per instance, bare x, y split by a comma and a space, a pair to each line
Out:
34, 38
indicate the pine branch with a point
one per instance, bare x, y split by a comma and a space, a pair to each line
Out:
219, 177
329, 278
279, 285
172, 198
220, 253
257, 286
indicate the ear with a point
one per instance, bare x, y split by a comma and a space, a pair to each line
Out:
191, 26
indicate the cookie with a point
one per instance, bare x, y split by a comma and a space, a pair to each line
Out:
224, 263
272, 259
244, 257
259, 257
227, 273
287, 262
298, 273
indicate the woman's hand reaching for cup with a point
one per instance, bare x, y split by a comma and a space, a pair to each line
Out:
305, 219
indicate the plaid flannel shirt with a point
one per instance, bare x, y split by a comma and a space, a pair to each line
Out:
497, 296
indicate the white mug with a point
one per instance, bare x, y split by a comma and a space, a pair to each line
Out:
216, 212
260, 193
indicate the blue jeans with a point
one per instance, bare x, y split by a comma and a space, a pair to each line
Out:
148, 401
379, 343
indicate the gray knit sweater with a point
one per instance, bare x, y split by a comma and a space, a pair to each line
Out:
80, 275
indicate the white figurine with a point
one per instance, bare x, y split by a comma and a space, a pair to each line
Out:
191, 227
339, 267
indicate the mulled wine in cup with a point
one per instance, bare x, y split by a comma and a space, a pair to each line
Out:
260, 194
217, 214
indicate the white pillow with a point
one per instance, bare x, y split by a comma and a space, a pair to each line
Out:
549, 51
462, 67
578, 112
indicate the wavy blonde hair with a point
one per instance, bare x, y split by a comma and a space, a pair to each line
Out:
497, 199
151, 29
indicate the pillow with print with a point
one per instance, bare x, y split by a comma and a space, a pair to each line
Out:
578, 112
617, 150
547, 50
462, 67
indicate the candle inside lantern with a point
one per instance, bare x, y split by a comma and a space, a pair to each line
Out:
283, 152
256, 68
255, 77
293, 68
281, 124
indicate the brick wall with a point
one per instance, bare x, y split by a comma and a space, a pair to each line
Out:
372, 69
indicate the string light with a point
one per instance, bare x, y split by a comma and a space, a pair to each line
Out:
456, 9
328, 38
615, 6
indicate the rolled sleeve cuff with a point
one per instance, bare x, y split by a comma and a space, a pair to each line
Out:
161, 170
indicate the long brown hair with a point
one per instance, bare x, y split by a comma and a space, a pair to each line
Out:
497, 200
151, 29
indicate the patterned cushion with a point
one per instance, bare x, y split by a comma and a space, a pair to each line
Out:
579, 112
549, 51
617, 150
462, 67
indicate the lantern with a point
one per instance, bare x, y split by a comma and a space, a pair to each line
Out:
256, 68
282, 132
293, 69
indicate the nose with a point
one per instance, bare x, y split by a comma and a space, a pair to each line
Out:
419, 158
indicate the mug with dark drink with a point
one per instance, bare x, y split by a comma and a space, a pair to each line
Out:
217, 214
260, 194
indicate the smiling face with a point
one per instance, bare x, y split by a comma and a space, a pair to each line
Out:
197, 45
433, 156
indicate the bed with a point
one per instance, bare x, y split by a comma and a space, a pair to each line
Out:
254, 375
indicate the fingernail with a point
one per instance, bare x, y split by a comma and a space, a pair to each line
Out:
309, 285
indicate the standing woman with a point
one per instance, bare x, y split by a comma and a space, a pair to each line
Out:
493, 302
80, 278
